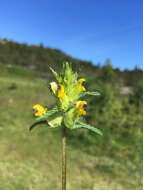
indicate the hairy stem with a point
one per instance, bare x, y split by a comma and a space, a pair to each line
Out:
63, 158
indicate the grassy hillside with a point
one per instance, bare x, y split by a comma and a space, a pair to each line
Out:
31, 161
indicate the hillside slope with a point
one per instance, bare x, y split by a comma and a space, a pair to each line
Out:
38, 57
32, 160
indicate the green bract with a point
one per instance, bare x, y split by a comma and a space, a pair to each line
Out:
69, 110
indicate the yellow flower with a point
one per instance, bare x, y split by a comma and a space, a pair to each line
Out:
80, 85
39, 110
80, 106
61, 92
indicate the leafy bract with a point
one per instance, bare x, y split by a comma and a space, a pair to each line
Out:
47, 114
56, 122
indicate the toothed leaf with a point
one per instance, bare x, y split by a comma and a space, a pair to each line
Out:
37, 124
54, 72
83, 125
58, 78
90, 94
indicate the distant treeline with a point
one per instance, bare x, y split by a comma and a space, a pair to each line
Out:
38, 57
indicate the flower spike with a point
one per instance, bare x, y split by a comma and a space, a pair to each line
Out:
68, 90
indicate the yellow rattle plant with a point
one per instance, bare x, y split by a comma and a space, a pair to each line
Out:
70, 108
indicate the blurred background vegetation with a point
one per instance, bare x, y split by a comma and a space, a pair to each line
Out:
31, 161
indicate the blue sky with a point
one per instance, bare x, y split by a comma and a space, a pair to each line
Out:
88, 29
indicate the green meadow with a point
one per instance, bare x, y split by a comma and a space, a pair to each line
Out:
32, 160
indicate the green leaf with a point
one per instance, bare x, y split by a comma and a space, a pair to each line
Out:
84, 125
54, 73
37, 124
90, 93
47, 114
93, 93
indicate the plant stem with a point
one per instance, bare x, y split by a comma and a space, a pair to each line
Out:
63, 158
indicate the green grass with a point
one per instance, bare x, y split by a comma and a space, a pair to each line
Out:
32, 161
